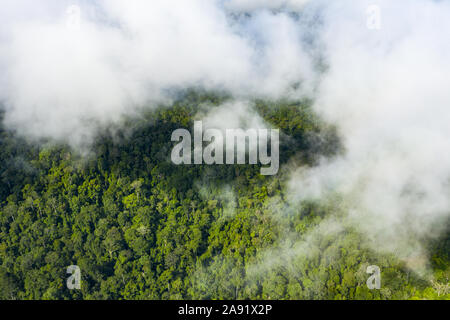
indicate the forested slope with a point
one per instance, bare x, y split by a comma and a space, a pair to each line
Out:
140, 227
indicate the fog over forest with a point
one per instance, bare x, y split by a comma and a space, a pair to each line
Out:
90, 92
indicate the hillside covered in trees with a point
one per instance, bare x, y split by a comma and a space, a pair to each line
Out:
140, 227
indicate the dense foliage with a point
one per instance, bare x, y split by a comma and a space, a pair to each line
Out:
140, 227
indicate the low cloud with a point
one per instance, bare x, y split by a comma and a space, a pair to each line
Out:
384, 88
68, 69
387, 92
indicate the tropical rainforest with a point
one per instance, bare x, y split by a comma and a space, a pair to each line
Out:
140, 227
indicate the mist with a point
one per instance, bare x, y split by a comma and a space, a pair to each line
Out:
387, 92
64, 73
68, 69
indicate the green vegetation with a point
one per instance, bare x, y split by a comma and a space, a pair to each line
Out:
140, 227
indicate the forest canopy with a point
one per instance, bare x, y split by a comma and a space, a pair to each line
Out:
141, 227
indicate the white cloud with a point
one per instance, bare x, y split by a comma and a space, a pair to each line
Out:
386, 90
125, 55
252, 5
